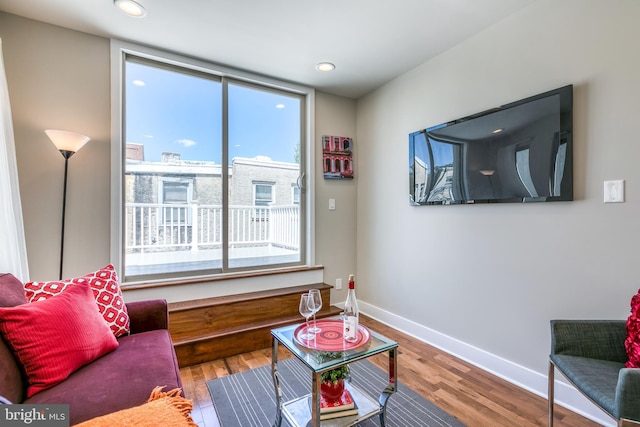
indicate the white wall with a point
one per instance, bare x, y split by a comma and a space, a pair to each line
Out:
492, 276
59, 79
336, 229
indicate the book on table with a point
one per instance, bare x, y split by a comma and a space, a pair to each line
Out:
338, 414
342, 407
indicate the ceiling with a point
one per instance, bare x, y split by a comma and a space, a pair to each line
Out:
369, 41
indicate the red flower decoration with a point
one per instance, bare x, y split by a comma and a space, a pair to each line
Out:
632, 341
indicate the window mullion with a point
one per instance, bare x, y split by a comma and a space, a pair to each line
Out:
225, 174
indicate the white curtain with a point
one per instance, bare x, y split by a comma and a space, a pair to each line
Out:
13, 248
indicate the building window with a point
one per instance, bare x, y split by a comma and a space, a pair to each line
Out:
263, 199
175, 198
195, 176
263, 194
295, 195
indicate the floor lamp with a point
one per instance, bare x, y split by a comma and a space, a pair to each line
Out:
68, 143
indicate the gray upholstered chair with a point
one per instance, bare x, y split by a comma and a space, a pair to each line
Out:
591, 355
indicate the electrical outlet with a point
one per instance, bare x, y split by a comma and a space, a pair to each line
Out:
338, 283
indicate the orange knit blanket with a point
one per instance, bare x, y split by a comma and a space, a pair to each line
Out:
166, 409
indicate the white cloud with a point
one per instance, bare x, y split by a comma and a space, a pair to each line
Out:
186, 142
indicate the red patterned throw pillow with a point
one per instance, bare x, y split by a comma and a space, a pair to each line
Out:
106, 290
55, 337
632, 341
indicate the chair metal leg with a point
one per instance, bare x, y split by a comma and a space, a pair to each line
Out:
550, 392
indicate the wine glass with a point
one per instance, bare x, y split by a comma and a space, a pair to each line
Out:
306, 310
316, 299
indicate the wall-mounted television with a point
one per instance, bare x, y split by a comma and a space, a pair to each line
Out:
519, 152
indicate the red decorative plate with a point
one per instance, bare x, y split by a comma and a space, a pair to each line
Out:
330, 337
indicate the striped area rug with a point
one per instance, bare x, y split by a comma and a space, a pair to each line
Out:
248, 399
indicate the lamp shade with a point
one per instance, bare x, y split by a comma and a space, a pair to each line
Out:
67, 141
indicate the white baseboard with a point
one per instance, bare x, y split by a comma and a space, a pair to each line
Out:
535, 382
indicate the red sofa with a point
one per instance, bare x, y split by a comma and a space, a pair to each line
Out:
121, 379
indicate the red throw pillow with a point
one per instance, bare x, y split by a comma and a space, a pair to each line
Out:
106, 290
54, 337
632, 342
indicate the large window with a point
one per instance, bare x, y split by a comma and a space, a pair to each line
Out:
209, 164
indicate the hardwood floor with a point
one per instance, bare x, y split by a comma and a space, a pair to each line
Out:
470, 394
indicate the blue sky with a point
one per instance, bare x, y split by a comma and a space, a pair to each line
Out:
181, 113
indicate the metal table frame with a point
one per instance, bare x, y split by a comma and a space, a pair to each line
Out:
305, 355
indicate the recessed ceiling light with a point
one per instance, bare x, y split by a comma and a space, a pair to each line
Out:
498, 130
325, 66
131, 8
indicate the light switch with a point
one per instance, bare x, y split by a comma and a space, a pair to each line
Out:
614, 191
332, 204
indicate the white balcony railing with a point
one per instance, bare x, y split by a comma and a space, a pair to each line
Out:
151, 227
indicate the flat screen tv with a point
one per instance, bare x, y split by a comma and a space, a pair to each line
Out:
519, 152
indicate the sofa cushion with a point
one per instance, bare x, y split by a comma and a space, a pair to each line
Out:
106, 290
632, 341
11, 376
54, 337
118, 380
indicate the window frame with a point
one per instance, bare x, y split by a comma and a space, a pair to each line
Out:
119, 51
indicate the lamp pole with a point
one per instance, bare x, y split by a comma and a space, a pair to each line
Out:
66, 154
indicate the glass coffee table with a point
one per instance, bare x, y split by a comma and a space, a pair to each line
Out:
330, 351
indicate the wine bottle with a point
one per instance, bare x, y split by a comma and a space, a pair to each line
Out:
351, 313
